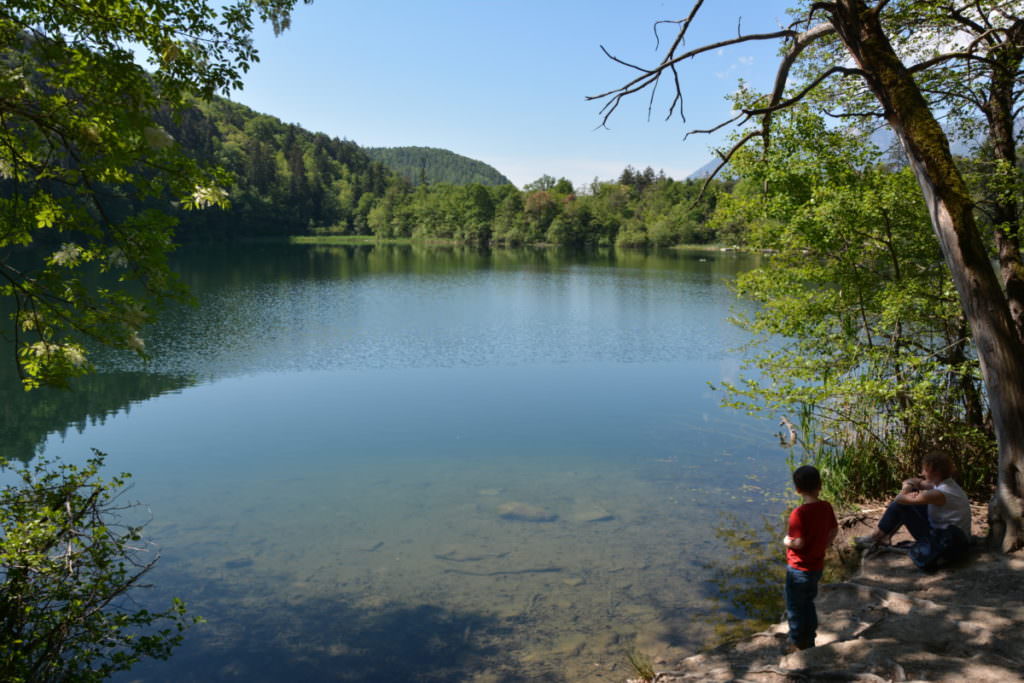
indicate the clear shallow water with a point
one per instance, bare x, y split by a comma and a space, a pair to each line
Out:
327, 443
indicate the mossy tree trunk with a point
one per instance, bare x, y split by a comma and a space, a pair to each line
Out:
985, 304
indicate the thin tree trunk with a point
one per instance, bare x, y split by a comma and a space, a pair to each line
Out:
998, 110
1000, 350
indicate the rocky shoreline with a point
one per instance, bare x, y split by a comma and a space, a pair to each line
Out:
890, 622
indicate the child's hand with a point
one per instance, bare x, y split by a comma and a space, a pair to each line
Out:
910, 485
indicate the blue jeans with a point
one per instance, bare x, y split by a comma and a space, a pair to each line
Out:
914, 517
801, 589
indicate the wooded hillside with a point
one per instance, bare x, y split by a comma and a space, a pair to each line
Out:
288, 181
421, 165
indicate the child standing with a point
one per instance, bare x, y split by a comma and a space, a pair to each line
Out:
812, 528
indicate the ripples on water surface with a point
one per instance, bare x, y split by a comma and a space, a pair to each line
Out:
328, 443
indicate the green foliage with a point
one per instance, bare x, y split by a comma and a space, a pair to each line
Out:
423, 165
85, 163
875, 362
287, 181
68, 558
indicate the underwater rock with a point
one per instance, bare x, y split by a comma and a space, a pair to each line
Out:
456, 554
524, 512
490, 492
240, 563
505, 572
590, 512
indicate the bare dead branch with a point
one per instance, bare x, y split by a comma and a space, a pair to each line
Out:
612, 57
650, 102
678, 98
650, 76
725, 159
693, 53
742, 115
681, 36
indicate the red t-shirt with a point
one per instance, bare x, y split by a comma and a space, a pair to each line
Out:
811, 522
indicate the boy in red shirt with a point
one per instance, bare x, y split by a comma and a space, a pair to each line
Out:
812, 528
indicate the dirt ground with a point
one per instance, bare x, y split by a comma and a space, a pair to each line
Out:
890, 622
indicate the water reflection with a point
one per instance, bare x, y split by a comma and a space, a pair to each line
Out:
292, 308
27, 419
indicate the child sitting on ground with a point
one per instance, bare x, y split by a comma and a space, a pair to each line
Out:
812, 528
936, 512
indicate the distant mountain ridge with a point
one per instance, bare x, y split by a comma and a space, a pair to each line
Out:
705, 170
421, 165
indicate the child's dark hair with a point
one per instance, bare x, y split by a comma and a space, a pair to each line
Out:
940, 462
807, 479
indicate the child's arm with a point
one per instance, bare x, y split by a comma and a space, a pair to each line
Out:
915, 484
794, 531
926, 497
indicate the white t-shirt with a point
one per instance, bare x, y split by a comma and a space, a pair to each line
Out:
957, 509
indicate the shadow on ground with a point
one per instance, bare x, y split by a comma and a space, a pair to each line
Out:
891, 622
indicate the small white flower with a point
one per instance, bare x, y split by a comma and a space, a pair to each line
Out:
136, 343
67, 255
203, 197
43, 349
6, 170
74, 355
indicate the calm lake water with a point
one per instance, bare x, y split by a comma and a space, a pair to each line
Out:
404, 464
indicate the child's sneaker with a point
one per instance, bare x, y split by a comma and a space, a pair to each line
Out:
862, 542
785, 645
867, 542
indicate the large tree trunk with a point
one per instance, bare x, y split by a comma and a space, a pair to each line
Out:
1000, 350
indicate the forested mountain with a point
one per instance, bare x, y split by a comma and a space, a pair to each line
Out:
283, 180
421, 165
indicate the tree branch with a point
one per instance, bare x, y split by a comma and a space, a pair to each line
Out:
651, 76
846, 71
725, 159
800, 42
928, 63
685, 24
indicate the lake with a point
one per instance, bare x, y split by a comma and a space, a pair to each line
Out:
400, 463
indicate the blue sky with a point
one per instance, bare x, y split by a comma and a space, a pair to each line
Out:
505, 82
